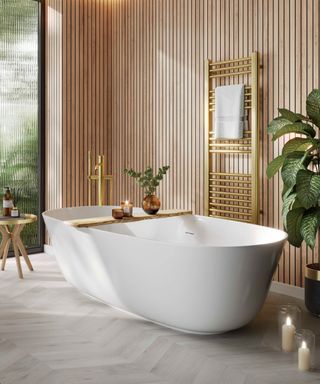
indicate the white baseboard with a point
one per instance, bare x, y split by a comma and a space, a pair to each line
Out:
286, 289
48, 249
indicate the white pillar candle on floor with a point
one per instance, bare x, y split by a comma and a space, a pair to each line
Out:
304, 357
288, 330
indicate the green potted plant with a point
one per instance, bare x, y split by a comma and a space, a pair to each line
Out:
299, 164
149, 182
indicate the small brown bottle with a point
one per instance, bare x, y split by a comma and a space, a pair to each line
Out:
7, 202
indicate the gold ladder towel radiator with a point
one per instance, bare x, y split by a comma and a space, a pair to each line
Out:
232, 166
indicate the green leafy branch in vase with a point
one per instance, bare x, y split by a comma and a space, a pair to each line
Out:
147, 180
299, 164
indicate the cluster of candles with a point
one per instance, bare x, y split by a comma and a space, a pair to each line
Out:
288, 345
126, 210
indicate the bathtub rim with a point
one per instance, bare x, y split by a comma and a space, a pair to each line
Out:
182, 245
162, 242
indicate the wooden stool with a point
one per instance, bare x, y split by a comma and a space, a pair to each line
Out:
10, 229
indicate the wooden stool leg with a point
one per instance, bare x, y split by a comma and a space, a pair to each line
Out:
5, 254
5, 236
24, 253
2, 247
15, 237
17, 256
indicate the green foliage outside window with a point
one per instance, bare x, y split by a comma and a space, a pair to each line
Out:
19, 91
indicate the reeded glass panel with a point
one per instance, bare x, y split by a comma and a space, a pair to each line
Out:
19, 106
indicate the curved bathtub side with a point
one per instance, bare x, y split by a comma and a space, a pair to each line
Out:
81, 260
195, 289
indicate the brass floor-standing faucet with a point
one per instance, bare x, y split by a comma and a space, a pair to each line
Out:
100, 177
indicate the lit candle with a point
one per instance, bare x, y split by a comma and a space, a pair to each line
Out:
288, 330
304, 357
126, 208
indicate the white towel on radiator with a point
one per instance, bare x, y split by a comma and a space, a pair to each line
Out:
229, 112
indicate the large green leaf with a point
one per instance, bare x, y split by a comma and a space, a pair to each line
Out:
286, 190
308, 188
309, 226
276, 124
302, 128
313, 106
274, 166
287, 205
292, 164
289, 115
298, 144
294, 218
297, 204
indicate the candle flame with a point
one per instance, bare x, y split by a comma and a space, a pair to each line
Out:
288, 321
304, 344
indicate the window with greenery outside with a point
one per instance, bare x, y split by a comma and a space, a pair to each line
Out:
19, 101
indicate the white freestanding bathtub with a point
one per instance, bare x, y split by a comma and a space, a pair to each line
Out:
191, 273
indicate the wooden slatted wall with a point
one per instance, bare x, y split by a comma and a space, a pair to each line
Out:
158, 53
85, 93
133, 88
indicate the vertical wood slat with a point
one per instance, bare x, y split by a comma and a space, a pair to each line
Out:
135, 91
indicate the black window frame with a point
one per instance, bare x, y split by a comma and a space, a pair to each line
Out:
42, 119
41, 122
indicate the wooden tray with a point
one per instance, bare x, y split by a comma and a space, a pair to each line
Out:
94, 221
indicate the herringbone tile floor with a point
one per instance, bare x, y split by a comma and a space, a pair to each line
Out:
51, 334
